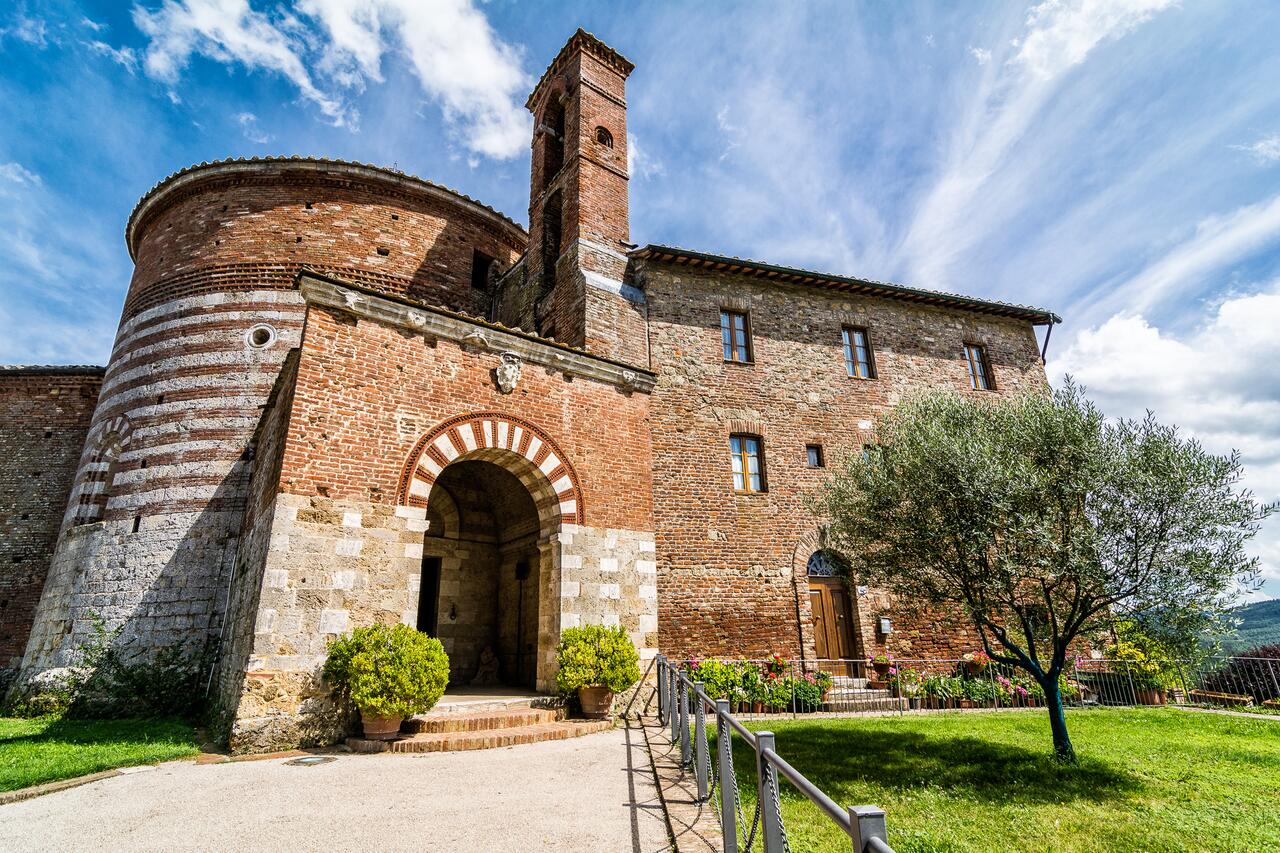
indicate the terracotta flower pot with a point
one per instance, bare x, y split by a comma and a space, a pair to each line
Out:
1151, 696
881, 668
966, 703
380, 728
757, 707
597, 701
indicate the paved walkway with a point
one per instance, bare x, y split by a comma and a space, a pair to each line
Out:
593, 793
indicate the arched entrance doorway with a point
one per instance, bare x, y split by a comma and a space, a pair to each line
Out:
500, 500
835, 631
481, 568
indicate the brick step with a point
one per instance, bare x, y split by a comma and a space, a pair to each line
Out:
496, 705
485, 721
490, 739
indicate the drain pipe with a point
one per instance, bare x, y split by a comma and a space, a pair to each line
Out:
1044, 350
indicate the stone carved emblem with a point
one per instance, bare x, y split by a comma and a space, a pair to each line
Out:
508, 372
475, 341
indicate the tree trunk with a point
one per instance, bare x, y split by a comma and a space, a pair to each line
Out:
1062, 747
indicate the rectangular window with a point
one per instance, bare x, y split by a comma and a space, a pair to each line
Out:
814, 452
748, 467
735, 334
857, 354
979, 367
481, 265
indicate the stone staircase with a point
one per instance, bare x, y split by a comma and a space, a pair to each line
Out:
483, 725
853, 694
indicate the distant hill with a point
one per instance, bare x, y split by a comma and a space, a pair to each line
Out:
1259, 626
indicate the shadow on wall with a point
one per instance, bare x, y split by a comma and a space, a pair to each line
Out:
103, 598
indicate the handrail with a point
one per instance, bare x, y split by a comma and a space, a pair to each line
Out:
810, 790
865, 825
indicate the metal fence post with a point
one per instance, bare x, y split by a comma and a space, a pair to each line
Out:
686, 753
724, 760
700, 766
662, 690
768, 794
675, 705
866, 823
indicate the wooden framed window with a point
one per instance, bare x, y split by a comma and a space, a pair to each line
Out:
815, 457
858, 359
979, 367
748, 463
735, 334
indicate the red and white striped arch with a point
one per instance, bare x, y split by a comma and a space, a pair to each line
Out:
515, 444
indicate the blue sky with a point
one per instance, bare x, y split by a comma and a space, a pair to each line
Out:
1117, 161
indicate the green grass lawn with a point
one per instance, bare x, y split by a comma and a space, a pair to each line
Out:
47, 748
1159, 779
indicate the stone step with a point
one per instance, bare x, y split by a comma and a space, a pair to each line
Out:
487, 739
856, 693
484, 721
863, 704
494, 705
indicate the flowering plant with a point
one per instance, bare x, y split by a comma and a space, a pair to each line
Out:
884, 659
976, 660
776, 666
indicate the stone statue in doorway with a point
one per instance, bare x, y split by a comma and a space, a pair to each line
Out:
487, 672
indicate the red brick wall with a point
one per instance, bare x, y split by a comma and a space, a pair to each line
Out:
366, 392
250, 230
44, 415
730, 569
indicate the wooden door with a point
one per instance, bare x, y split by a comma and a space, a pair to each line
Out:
833, 625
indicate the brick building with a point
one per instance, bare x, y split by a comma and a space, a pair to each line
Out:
340, 395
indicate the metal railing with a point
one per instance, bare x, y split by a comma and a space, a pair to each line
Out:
864, 825
906, 685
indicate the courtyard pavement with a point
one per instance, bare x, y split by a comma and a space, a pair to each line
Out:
593, 793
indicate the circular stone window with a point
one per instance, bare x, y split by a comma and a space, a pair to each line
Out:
261, 336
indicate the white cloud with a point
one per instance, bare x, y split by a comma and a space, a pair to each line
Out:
1060, 33
18, 174
251, 129
92, 24
331, 48
227, 31
1217, 382
640, 164
732, 134
1266, 150
33, 31
122, 56
982, 55
1217, 242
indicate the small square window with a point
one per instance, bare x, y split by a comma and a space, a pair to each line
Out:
979, 367
747, 463
735, 335
814, 452
858, 359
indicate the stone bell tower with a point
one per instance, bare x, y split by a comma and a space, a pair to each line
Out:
578, 217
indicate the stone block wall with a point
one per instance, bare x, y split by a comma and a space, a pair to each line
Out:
731, 566
44, 417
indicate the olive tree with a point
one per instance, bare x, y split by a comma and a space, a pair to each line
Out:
1044, 522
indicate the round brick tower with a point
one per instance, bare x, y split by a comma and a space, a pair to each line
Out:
211, 314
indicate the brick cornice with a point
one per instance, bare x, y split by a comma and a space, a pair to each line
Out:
471, 332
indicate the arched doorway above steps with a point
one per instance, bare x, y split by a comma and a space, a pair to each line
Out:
582, 574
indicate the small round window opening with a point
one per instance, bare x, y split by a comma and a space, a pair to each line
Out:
604, 137
261, 336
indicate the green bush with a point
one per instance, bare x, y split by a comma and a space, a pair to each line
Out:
388, 671
594, 655
113, 681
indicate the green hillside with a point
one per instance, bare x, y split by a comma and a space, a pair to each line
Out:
1259, 625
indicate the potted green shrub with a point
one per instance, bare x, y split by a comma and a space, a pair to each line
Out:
389, 673
596, 662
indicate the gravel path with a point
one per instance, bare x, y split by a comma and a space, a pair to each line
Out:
593, 793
